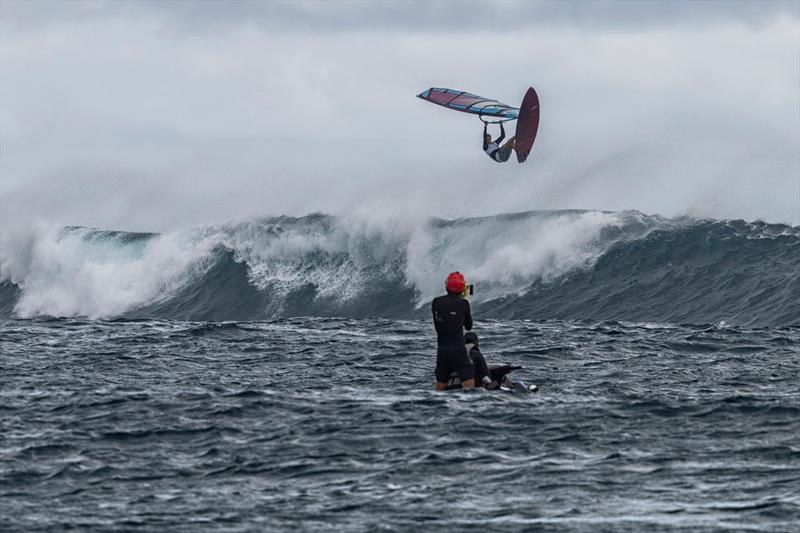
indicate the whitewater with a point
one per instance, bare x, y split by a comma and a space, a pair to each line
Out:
572, 265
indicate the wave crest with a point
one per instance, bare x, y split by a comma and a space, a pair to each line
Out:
553, 264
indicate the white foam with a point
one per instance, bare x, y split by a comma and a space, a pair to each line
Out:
94, 274
82, 272
503, 256
338, 257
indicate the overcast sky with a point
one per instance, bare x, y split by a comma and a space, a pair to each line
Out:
156, 115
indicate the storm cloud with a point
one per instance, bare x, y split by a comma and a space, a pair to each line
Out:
152, 115
404, 15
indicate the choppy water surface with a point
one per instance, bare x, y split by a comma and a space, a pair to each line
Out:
332, 424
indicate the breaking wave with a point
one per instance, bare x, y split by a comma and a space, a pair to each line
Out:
538, 265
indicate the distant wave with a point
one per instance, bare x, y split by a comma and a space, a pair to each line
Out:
538, 265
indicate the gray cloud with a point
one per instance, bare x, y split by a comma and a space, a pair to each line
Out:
144, 116
406, 16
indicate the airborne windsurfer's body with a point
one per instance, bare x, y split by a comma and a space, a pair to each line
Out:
493, 149
493, 112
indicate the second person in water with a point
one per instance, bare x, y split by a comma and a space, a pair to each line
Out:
483, 376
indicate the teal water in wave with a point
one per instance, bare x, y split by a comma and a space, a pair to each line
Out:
568, 265
313, 424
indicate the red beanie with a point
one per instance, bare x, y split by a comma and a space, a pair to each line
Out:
455, 283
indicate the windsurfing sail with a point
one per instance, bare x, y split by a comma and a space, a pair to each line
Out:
469, 103
527, 113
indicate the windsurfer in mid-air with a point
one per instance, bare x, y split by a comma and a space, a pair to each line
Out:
494, 112
493, 149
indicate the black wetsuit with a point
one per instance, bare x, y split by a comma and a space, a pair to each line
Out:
481, 368
450, 316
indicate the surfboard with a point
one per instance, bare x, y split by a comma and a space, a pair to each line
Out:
527, 125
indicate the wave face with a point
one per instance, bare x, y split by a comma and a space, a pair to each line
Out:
569, 265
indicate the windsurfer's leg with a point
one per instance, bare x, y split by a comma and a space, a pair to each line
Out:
504, 153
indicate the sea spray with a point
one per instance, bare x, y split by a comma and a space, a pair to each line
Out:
552, 264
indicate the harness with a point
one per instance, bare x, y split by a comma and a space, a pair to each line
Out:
492, 150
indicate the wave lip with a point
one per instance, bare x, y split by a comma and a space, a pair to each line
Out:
99, 274
539, 265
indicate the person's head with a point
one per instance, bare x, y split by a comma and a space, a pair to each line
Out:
455, 283
471, 338
487, 138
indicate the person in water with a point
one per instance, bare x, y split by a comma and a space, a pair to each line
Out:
493, 149
451, 315
483, 377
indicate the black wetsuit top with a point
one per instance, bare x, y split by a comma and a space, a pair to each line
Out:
450, 316
481, 368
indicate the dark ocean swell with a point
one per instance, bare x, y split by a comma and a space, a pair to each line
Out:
568, 265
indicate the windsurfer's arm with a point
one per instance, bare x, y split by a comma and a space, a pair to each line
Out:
467, 317
485, 132
502, 134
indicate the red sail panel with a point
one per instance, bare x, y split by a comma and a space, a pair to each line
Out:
468, 103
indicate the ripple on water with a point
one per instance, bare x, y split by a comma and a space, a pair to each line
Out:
333, 425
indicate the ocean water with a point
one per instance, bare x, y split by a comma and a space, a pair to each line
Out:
324, 424
277, 375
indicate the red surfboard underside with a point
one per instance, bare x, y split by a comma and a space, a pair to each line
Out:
527, 125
